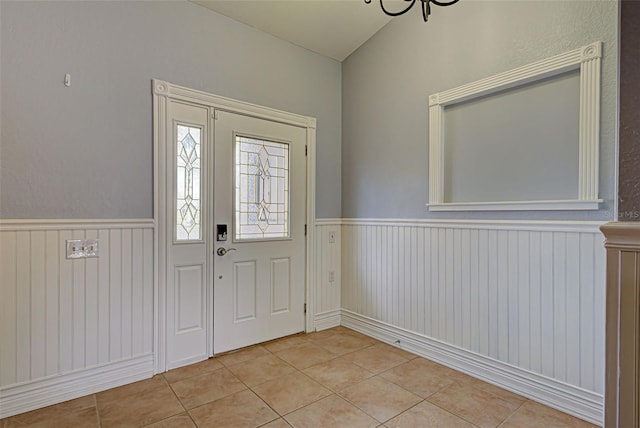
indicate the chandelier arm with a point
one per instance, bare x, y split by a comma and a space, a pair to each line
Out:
439, 3
396, 13
426, 10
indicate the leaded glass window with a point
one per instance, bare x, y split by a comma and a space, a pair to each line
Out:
261, 189
188, 144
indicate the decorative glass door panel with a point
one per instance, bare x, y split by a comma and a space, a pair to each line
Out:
261, 189
188, 186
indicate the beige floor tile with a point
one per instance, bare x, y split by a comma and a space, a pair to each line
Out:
376, 358
132, 389
198, 390
178, 421
399, 351
509, 396
242, 355
535, 415
242, 409
321, 335
342, 329
343, 343
196, 369
333, 412
286, 343
278, 423
474, 405
420, 378
380, 398
306, 355
261, 370
140, 409
444, 370
79, 418
346, 330
79, 406
426, 414
338, 359
338, 373
291, 392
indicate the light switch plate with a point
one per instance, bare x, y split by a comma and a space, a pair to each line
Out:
82, 248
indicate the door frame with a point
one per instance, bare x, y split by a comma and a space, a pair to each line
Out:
163, 92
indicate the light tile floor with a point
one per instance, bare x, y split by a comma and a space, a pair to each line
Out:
334, 378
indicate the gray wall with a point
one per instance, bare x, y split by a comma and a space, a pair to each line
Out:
504, 147
86, 151
386, 83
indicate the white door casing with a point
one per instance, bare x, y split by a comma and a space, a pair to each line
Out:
259, 287
169, 263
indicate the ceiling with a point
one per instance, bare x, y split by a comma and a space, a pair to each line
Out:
333, 28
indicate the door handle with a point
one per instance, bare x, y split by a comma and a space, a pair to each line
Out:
222, 251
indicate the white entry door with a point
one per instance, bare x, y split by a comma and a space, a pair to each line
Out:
260, 198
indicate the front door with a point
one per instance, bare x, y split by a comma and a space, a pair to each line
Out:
260, 200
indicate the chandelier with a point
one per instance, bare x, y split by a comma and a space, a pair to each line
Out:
426, 7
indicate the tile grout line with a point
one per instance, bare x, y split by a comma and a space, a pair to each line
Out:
333, 392
304, 374
276, 412
95, 403
179, 400
513, 413
448, 411
454, 414
426, 399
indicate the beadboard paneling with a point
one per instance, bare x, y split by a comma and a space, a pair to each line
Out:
530, 295
328, 259
60, 315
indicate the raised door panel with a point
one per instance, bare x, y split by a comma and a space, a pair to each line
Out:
280, 285
245, 291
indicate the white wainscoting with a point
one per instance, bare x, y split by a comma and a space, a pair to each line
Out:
328, 259
519, 304
73, 327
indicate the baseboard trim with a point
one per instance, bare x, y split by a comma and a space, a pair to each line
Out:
20, 398
578, 402
327, 320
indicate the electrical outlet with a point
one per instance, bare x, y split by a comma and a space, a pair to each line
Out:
332, 276
332, 237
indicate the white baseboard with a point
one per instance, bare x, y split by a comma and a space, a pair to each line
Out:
581, 403
36, 394
327, 320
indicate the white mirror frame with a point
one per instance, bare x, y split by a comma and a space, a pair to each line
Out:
587, 59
